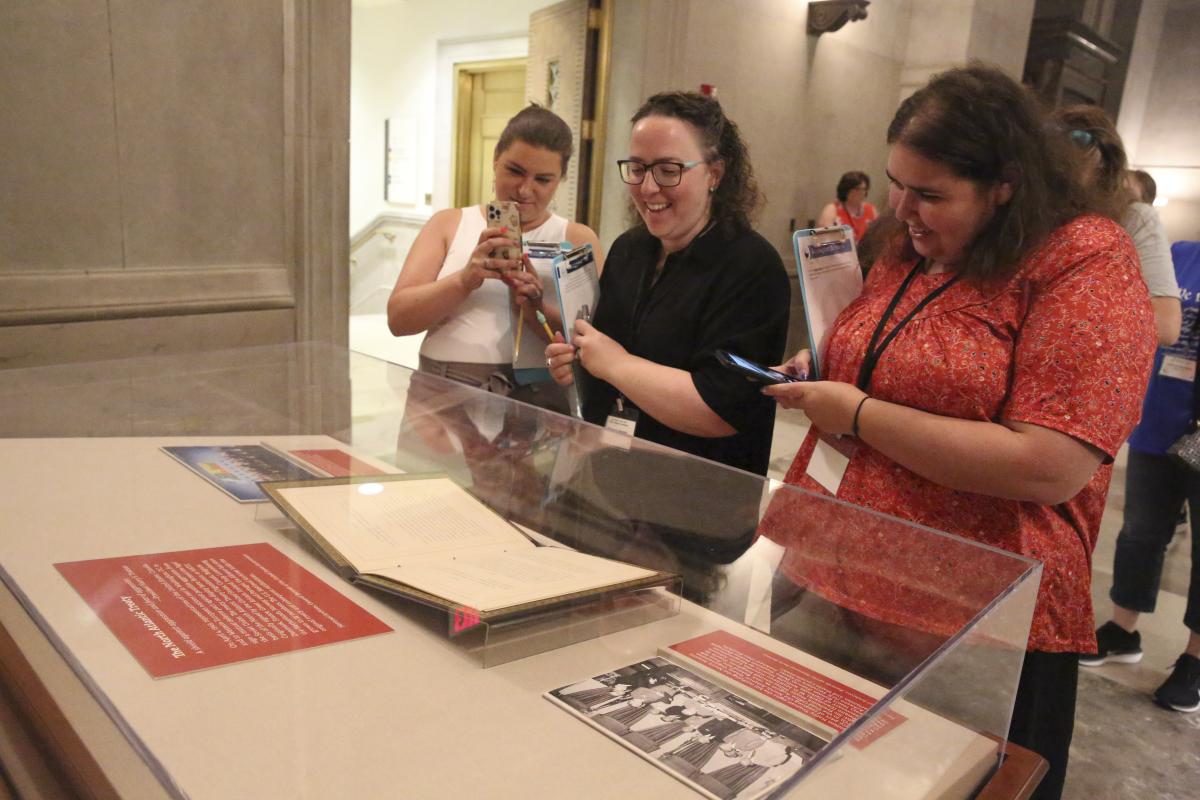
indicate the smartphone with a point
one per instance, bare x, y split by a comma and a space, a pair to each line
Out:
506, 215
755, 372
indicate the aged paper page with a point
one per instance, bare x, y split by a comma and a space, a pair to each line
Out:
379, 525
498, 578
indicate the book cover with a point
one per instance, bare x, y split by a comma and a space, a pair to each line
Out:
238, 469
336, 463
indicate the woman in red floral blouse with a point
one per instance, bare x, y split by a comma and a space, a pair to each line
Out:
989, 372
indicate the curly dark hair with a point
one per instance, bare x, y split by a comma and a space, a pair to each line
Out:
1108, 179
539, 127
851, 181
736, 200
984, 126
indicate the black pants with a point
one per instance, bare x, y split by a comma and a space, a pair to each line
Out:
1155, 488
1044, 714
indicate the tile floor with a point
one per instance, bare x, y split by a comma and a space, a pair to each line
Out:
1125, 747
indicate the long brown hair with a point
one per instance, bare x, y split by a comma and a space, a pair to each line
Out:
983, 126
1107, 180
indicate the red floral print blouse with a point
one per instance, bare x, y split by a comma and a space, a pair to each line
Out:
1066, 343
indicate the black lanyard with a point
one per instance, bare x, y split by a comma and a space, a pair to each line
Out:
875, 348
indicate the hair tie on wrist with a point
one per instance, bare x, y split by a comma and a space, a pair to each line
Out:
857, 411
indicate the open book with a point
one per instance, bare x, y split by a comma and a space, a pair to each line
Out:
734, 720
830, 279
427, 538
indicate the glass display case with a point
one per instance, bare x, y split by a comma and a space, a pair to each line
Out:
819, 649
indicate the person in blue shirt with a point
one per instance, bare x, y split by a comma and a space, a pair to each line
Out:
1156, 485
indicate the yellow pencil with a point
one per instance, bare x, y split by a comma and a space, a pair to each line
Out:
546, 327
520, 327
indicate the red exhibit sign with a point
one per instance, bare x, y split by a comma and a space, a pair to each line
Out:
186, 610
797, 687
337, 463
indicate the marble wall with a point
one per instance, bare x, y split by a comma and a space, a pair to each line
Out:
174, 176
810, 108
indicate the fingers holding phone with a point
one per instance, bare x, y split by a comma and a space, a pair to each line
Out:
485, 262
799, 365
526, 285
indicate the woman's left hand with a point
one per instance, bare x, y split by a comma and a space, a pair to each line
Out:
598, 354
829, 404
559, 356
526, 286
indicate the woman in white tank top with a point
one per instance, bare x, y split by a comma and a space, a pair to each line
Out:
453, 287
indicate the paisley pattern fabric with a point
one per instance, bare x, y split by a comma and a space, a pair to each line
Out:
1067, 344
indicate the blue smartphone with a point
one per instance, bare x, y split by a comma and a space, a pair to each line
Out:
755, 372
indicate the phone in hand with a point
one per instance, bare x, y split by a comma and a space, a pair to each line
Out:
505, 214
751, 370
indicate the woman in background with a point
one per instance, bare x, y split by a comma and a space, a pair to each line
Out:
1156, 486
1104, 168
692, 278
453, 286
851, 207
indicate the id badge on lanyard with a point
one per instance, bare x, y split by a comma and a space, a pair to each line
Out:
1178, 367
831, 457
622, 420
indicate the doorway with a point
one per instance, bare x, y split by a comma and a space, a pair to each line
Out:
487, 96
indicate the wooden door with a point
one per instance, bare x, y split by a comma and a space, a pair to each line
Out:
488, 95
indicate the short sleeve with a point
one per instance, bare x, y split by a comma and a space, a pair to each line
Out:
747, 315
1087, 339
1153, 249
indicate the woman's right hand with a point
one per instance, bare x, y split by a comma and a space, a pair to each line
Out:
798, 366
482, 265
559, 357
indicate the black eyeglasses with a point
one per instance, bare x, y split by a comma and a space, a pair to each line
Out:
666, 173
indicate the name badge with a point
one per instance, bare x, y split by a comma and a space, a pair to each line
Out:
621, 421
1178, 367
827, 466
621, 424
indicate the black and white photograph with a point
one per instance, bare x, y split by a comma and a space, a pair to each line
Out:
715, 741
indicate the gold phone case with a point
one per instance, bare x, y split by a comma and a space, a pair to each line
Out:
506, 215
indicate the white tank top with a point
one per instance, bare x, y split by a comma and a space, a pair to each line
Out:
481, 330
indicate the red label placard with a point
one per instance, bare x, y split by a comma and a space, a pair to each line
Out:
807, 691
337, 463
192, 609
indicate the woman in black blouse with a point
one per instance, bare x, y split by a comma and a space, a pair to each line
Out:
690, 279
